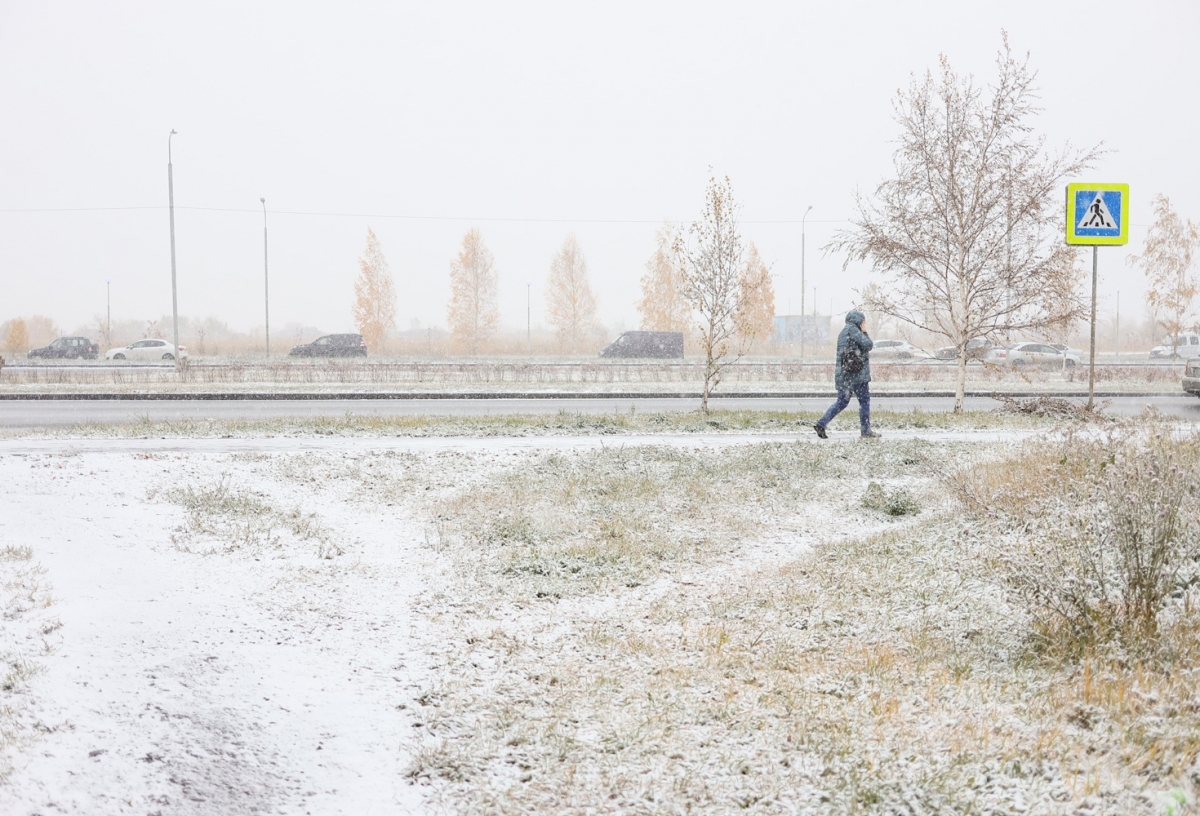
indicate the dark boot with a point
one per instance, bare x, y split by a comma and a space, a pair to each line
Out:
870, 434
820, 429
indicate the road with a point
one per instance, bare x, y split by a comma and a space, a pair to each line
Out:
29, 414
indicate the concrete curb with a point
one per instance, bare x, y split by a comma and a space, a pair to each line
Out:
547, 395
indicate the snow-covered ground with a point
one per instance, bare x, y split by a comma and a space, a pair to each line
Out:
261, 680
304, 625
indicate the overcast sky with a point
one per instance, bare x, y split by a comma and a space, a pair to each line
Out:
530, 121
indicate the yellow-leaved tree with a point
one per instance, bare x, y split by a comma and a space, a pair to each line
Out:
1171, 245
570, 302
374, 295
17, 336
756, 312
472, 313
662, 305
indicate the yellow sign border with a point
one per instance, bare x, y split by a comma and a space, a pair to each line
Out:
1073, 216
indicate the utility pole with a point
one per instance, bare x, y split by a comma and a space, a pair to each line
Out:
171, 209
266, 280
802, 253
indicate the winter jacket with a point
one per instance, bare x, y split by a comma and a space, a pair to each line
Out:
852, 334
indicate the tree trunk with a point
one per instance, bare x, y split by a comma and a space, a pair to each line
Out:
960, 386
708, 377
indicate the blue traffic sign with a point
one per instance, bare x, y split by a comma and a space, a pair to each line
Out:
1097, 214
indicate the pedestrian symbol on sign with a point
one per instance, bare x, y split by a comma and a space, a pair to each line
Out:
1097, 215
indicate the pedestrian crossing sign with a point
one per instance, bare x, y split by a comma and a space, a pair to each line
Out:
1097, 214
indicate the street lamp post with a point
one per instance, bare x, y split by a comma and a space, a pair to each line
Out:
266, 280
171, 209
1117, 331
802, 254
108, 311
528, 319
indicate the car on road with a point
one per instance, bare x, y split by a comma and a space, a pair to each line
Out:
148, 349
68, 348
1040, 354
1191, 377
897, 350
332, 345
978, 349
658, 344
1186, 345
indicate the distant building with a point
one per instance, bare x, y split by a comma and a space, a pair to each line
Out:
789, 327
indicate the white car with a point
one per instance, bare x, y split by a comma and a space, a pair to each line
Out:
1040, 354
897, 350
1186, 346
147, 350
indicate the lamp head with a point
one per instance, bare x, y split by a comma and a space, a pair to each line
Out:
263, 200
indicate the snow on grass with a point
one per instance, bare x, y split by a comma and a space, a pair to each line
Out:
28, 633
800, 653
701, 623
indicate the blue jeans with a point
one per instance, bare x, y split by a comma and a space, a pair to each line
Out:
860, 392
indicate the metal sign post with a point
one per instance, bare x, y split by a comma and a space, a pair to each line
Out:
1097, 215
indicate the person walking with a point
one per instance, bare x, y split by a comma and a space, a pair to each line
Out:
852, 375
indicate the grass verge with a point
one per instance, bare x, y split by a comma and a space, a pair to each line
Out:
560, 423
887, 669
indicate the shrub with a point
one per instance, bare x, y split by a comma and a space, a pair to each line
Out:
898, 502
1103, 532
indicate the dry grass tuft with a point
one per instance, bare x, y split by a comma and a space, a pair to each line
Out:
239, 519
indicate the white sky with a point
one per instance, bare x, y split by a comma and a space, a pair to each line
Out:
528, 120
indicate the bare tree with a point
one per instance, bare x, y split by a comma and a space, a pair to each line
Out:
711, 260
374, 307
569, 299
663, 306
968, 234
755, 316
472, 313
1171, 246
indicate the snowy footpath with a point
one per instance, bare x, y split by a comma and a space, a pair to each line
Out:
189, 683
187, 680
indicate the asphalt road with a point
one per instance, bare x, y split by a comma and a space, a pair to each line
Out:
26, 414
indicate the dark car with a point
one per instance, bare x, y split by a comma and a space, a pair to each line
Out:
645, 344
74, 348
977, 349
332, 345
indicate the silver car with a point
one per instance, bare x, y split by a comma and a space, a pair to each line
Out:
1191, 377
1040, 354
897, 350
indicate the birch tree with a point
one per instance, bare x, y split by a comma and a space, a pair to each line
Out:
374, 307
570, 302
968, 234
710, 256
755, 316
1171, 246
662, 305
472, 313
